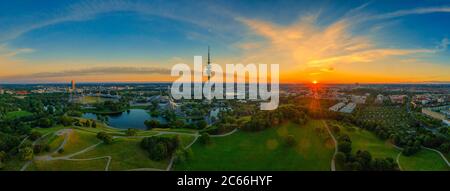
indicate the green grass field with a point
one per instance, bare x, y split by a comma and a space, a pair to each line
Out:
77, 141
424, 160
93, 99
126, 154
365, 140
68, 165
17, 114
265, 150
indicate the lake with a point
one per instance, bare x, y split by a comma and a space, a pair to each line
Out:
135, 118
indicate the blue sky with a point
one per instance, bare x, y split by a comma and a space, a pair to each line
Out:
42, 41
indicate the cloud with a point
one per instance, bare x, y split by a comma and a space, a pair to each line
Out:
442, 46
417, 11
94, 71
5, 51
194, 13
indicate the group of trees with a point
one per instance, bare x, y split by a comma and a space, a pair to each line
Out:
178, 123
361, 160
105, 137
160, 148
266, 119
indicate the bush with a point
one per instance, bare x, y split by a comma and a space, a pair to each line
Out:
205, 139
160, 148
105, 137
290, 140
340, 158
26, 153
152, 123
35, 135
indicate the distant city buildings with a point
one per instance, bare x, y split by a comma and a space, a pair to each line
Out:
380, 99
441, 113
397, 98
343, 107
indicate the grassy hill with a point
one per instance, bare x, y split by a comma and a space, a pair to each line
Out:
265, 150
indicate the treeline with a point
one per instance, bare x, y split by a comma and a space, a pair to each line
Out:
266, 119
362, 160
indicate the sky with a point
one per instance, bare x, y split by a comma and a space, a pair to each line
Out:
378, 41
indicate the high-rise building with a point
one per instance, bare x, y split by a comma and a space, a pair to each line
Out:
72, 84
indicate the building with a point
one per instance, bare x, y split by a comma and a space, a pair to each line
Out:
359, 99
380, 99
337, 107
348, 108
72, 85
441, 113
397, 98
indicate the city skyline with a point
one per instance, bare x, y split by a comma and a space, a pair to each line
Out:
139, 41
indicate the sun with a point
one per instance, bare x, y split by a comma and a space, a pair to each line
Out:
314, 82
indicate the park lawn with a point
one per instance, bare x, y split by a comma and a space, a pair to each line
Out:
126, 154
17, 114
77, 141
13, 164
185, 140
69, 165
50, 130
366, 140
93, 99
265, 150
53, 141
424, 160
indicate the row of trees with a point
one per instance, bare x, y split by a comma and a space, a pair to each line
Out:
266, 119
362, 160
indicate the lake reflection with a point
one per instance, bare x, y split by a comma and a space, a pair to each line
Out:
134, 118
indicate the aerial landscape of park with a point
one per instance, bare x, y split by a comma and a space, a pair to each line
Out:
143, 85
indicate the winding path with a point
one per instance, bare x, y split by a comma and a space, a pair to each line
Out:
333, 163
66, 133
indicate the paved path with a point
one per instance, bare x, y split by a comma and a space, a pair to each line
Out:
226, 134
443, 157
66, 133
333, 163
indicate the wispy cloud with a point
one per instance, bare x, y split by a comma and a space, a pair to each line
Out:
87, 10
417, 11
89, 72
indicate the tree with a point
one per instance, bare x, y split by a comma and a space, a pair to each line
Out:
35, 135
26, 153
105, 137
345, 147
340, 158
152, 123
66, 120
290, 140
45, 122
205, 139
160, 148
201, 124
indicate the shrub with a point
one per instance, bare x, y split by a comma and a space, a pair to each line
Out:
35, 135
160, 148
105, 137
290, 140
205, 139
